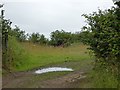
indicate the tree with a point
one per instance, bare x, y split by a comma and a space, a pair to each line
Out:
42, 39
61, 38
18, 33
34, 37
105, 38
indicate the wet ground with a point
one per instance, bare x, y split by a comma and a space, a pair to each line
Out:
28, 79
52, 69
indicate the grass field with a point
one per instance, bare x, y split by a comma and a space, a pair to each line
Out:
32, 56
29, 56
41, 56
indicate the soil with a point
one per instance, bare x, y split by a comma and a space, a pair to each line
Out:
28, 79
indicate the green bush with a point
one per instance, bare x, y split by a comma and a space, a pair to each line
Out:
105, 36
61, 38
104, 28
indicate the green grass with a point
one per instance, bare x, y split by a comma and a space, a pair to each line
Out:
29, 56
41, 56
102, 79
16, 55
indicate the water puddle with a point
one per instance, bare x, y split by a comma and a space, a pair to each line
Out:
52, 69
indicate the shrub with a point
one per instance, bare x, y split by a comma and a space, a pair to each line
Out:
105, 38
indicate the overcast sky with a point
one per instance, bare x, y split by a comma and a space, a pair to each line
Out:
45, 16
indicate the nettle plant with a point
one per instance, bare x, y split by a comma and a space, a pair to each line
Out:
104, 28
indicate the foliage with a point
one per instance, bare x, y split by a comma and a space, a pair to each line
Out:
104, 28
34, 37
37, 38
19, 34
84, 36
61, 38
4, 27
43, 40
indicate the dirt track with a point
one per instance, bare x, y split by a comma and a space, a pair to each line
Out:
76, 79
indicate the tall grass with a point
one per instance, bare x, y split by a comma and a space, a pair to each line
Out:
40, 56
17, 56
101, 78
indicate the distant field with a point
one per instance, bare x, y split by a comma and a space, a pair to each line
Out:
41, 56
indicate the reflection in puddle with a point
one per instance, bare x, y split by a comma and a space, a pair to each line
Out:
52, 69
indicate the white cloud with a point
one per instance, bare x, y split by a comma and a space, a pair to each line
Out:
44, 16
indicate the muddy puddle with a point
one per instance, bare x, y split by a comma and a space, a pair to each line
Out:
52, 69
